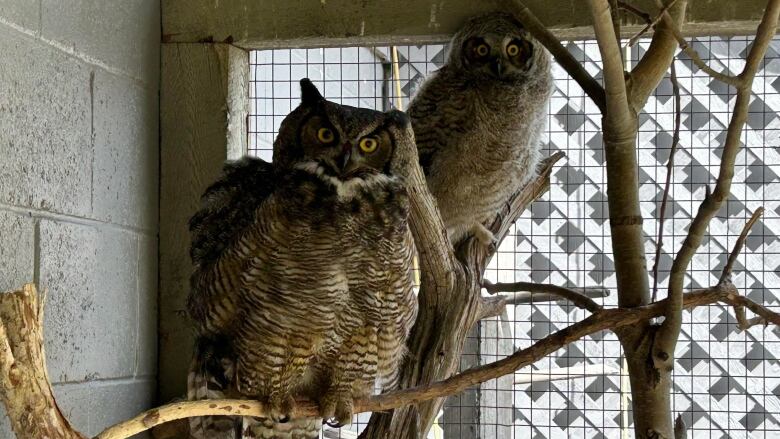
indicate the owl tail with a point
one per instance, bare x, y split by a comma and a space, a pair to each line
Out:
209, 378
303, 428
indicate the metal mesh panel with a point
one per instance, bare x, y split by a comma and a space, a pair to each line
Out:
727, 384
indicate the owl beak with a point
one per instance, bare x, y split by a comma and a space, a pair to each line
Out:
345, 156
497, 68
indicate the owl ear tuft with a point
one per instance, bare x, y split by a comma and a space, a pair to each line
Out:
309, 93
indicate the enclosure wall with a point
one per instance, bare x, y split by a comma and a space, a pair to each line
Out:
79, 193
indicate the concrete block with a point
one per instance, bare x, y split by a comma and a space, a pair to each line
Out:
17, 250
91, 407
92, 310
125, 182
45, 132
24, 14
146, 363
122, 34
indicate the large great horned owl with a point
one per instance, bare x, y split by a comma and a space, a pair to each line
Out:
302, 286
478, 121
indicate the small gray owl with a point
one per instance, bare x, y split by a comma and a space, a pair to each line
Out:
302, 286
478, 122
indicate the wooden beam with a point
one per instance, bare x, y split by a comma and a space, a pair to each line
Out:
316, 23
203, 110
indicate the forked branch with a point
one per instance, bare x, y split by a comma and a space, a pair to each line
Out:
712, 203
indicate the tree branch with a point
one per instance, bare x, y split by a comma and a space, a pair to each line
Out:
669, 171
693, 54
592, 88
651, 23
614, 83
668, 333
652, 67
581, 297
599, 321
620, 127
615, 13
726, 274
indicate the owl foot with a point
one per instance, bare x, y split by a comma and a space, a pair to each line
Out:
484, 236
336, 408
280, 408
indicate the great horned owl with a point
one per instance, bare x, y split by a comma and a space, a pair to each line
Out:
478, 121
302, 286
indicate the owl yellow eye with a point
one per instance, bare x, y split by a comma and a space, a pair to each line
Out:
512, 49
368, 144
482, 50
325, 135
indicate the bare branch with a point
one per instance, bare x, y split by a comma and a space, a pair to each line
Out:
620, 124
651, 23
743, 323
599, 321
614, 83
581, 297
615, 13
564, 58
739, 244
667, 336
693, 54
636, 11
652, 67
669, 170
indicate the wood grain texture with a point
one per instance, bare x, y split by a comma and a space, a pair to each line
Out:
202, 116
312, 23
25, 389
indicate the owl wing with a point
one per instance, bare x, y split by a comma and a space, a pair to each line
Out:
228, 208
439, 112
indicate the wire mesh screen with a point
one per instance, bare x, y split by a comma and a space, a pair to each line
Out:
726, 383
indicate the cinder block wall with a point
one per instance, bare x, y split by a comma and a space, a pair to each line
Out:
79, 193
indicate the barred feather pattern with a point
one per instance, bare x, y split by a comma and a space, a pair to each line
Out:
314, 296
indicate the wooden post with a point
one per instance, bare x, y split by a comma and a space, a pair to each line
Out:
203, 111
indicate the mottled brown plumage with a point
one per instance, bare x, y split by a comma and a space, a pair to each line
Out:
302, 284
478, 121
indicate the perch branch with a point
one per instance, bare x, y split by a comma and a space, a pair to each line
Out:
599, 321
25, 388
739, 244
565, 59
581, 297
669, 170
669, 330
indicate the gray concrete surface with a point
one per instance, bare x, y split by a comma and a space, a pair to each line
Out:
79, 154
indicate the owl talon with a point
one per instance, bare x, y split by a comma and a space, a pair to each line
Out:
280, 408
344, 411
333, 423
484, 236
337, 409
